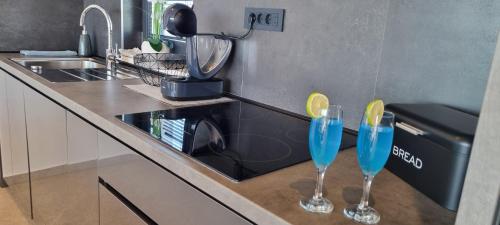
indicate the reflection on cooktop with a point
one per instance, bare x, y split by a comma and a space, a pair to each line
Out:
238, 139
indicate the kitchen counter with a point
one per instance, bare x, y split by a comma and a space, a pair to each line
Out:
267, 199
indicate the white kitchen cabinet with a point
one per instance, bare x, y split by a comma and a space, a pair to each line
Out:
82, 141
82, 164
63, 162
62, 174
4, 128
46, 132
17, 126
82, 197
47, 149
67, 193
13, 141
160, 195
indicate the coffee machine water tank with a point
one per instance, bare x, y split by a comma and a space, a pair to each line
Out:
206, 54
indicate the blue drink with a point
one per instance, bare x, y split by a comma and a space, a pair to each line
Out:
374, 146
325, 134
373, 152
324, 141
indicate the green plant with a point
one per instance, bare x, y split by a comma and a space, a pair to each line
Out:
156, 17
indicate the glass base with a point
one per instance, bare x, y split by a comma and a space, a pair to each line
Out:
367, 215
319, 205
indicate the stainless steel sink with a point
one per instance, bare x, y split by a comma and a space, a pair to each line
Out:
60, 63
72, 69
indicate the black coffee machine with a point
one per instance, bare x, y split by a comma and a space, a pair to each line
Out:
206, 54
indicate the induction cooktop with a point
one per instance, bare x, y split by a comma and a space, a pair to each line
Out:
237, 139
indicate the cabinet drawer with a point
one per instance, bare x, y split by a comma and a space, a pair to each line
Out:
159, 194
113, 211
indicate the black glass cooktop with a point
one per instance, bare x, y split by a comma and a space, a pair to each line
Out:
238, 139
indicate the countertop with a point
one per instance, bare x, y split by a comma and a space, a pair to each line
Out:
267, 199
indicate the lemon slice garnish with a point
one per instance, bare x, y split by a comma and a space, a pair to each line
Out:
315, 103
374, 112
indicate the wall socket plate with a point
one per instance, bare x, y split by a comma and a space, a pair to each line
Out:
266, 19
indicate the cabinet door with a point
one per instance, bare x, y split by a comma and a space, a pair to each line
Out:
113, 211
17, 126
4, 128
46, 125
14, 126
63, 154
47, 149
81, 197
82, 141
159, 194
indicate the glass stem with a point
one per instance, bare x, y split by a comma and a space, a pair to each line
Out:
367, 183
318, 192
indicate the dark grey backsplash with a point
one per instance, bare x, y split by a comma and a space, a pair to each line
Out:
355, 50
39, 24
97, 27
132, 24
352, 50
96, 24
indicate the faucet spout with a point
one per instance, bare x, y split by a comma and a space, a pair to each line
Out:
93, 6
109, 50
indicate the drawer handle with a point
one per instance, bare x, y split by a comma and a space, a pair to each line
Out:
410, 129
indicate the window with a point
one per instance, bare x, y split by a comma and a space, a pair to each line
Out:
166, 3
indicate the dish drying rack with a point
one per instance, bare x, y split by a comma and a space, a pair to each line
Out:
154, 67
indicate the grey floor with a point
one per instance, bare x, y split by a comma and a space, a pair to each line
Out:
9, 212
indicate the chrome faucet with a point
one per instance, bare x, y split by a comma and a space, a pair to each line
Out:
111, 54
